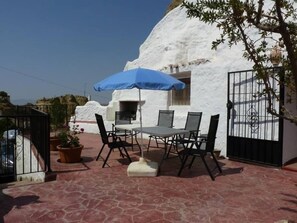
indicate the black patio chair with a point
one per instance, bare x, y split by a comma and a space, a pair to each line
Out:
121, 118
204, 145
192, 125
124, 118
165, 119
111, 140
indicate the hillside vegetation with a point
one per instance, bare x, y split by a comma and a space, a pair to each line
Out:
173, 5
66, 99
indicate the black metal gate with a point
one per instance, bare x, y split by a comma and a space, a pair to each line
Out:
24, 123
253, 135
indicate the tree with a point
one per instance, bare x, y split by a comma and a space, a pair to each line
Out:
58, 114
277, 27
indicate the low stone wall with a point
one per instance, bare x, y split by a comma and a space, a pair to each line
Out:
28, 162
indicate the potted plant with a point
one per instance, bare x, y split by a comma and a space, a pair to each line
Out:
70, 147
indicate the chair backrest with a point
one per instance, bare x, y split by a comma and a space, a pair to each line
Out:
122, 117
193, 122
166, 118
102, 129
212, 131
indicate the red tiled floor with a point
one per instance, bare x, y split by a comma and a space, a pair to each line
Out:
84, 192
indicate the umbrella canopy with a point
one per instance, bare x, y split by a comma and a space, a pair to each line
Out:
139, 78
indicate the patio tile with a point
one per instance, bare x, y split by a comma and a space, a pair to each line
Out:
84, 192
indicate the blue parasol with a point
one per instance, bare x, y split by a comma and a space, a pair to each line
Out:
140, 78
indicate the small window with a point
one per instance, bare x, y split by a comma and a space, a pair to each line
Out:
182, 97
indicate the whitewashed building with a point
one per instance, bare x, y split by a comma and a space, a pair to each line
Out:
181, 47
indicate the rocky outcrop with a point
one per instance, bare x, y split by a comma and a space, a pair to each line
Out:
173, 5
71, 101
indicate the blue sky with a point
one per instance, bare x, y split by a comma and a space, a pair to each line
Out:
54, 47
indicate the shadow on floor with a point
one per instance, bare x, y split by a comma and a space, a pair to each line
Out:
7, 203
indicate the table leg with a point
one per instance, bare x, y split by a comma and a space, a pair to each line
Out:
165, 153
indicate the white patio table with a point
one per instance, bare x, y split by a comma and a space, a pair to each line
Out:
159, 131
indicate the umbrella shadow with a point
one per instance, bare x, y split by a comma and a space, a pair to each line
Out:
74, 167
8, 202
199, 169
171, 165
231, 171
125, 161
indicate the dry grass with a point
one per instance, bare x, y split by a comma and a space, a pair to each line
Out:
173, 5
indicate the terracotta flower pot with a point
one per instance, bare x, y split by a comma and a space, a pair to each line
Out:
70, 155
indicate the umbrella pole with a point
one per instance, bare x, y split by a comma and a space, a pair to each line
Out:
142, 167
141, 134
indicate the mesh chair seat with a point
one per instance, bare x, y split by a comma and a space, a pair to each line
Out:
121, 118
165, 119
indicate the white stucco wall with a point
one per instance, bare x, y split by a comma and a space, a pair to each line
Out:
85, 116
28, 166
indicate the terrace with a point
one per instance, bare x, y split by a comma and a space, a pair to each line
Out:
85, 192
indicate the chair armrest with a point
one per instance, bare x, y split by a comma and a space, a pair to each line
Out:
112, 134
202, 136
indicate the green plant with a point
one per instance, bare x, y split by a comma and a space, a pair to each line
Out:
57, 114
69, 138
